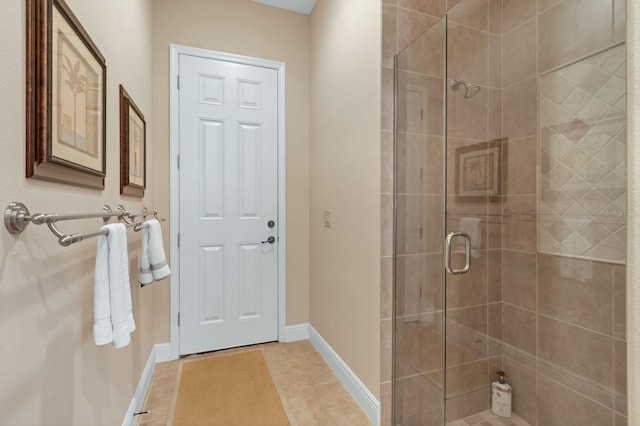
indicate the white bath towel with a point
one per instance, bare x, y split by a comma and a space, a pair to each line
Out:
113, 315
153, 263
102, 329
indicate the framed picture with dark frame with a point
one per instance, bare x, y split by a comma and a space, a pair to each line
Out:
133, 147
479, 169
66, 98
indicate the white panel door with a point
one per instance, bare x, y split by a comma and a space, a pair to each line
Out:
228, 196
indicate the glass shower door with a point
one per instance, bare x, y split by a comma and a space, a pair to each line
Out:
419, 224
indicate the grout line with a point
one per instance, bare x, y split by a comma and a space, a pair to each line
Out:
174, 396
620, 340
531, 139
542, 12
419, 74
457, 24
504, 249
484, 388
535, 16
458, 308
463, 364
504, 302
431, 135
418, 13
521, 365
608, 336
281, 393
525, 80
576, 392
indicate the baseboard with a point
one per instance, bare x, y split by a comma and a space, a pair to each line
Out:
164, 352
157, 351
365, 399
293, 333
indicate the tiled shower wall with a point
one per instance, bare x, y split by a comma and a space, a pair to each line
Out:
563, 322
556, 324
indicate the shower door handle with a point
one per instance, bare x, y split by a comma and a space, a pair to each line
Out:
467, 253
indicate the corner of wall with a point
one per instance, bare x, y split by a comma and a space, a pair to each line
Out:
633, 225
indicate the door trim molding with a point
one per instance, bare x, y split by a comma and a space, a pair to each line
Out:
175, 51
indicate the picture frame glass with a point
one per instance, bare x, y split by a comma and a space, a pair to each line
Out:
133, 147
76, 99
136, 149
479, 174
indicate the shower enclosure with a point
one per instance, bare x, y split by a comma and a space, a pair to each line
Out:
510, 215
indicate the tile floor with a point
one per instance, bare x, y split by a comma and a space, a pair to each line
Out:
487, 418
311, 394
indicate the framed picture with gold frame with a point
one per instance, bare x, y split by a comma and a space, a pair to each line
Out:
133, 147
66, 98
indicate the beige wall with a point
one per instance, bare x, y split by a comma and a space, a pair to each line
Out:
51, 371
345, 178
251, 29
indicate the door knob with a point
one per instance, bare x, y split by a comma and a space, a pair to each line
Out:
270, 240
271, 224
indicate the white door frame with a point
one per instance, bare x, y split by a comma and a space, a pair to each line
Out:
174, 143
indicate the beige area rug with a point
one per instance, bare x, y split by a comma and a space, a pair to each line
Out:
229, 390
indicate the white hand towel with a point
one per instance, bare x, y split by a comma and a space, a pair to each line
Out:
153, 263
145, 276
471, 227
112, 300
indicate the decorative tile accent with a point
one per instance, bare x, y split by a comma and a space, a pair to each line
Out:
583, 158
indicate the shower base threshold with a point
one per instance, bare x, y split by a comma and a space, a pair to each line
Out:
487, 418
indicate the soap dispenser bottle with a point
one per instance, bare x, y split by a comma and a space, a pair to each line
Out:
501, 396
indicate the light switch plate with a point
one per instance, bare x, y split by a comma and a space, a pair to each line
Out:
326, 214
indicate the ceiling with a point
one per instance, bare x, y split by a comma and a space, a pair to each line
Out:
300, 6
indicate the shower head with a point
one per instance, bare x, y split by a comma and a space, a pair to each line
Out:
470, 89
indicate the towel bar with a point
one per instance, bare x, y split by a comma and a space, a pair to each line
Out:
17, 217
